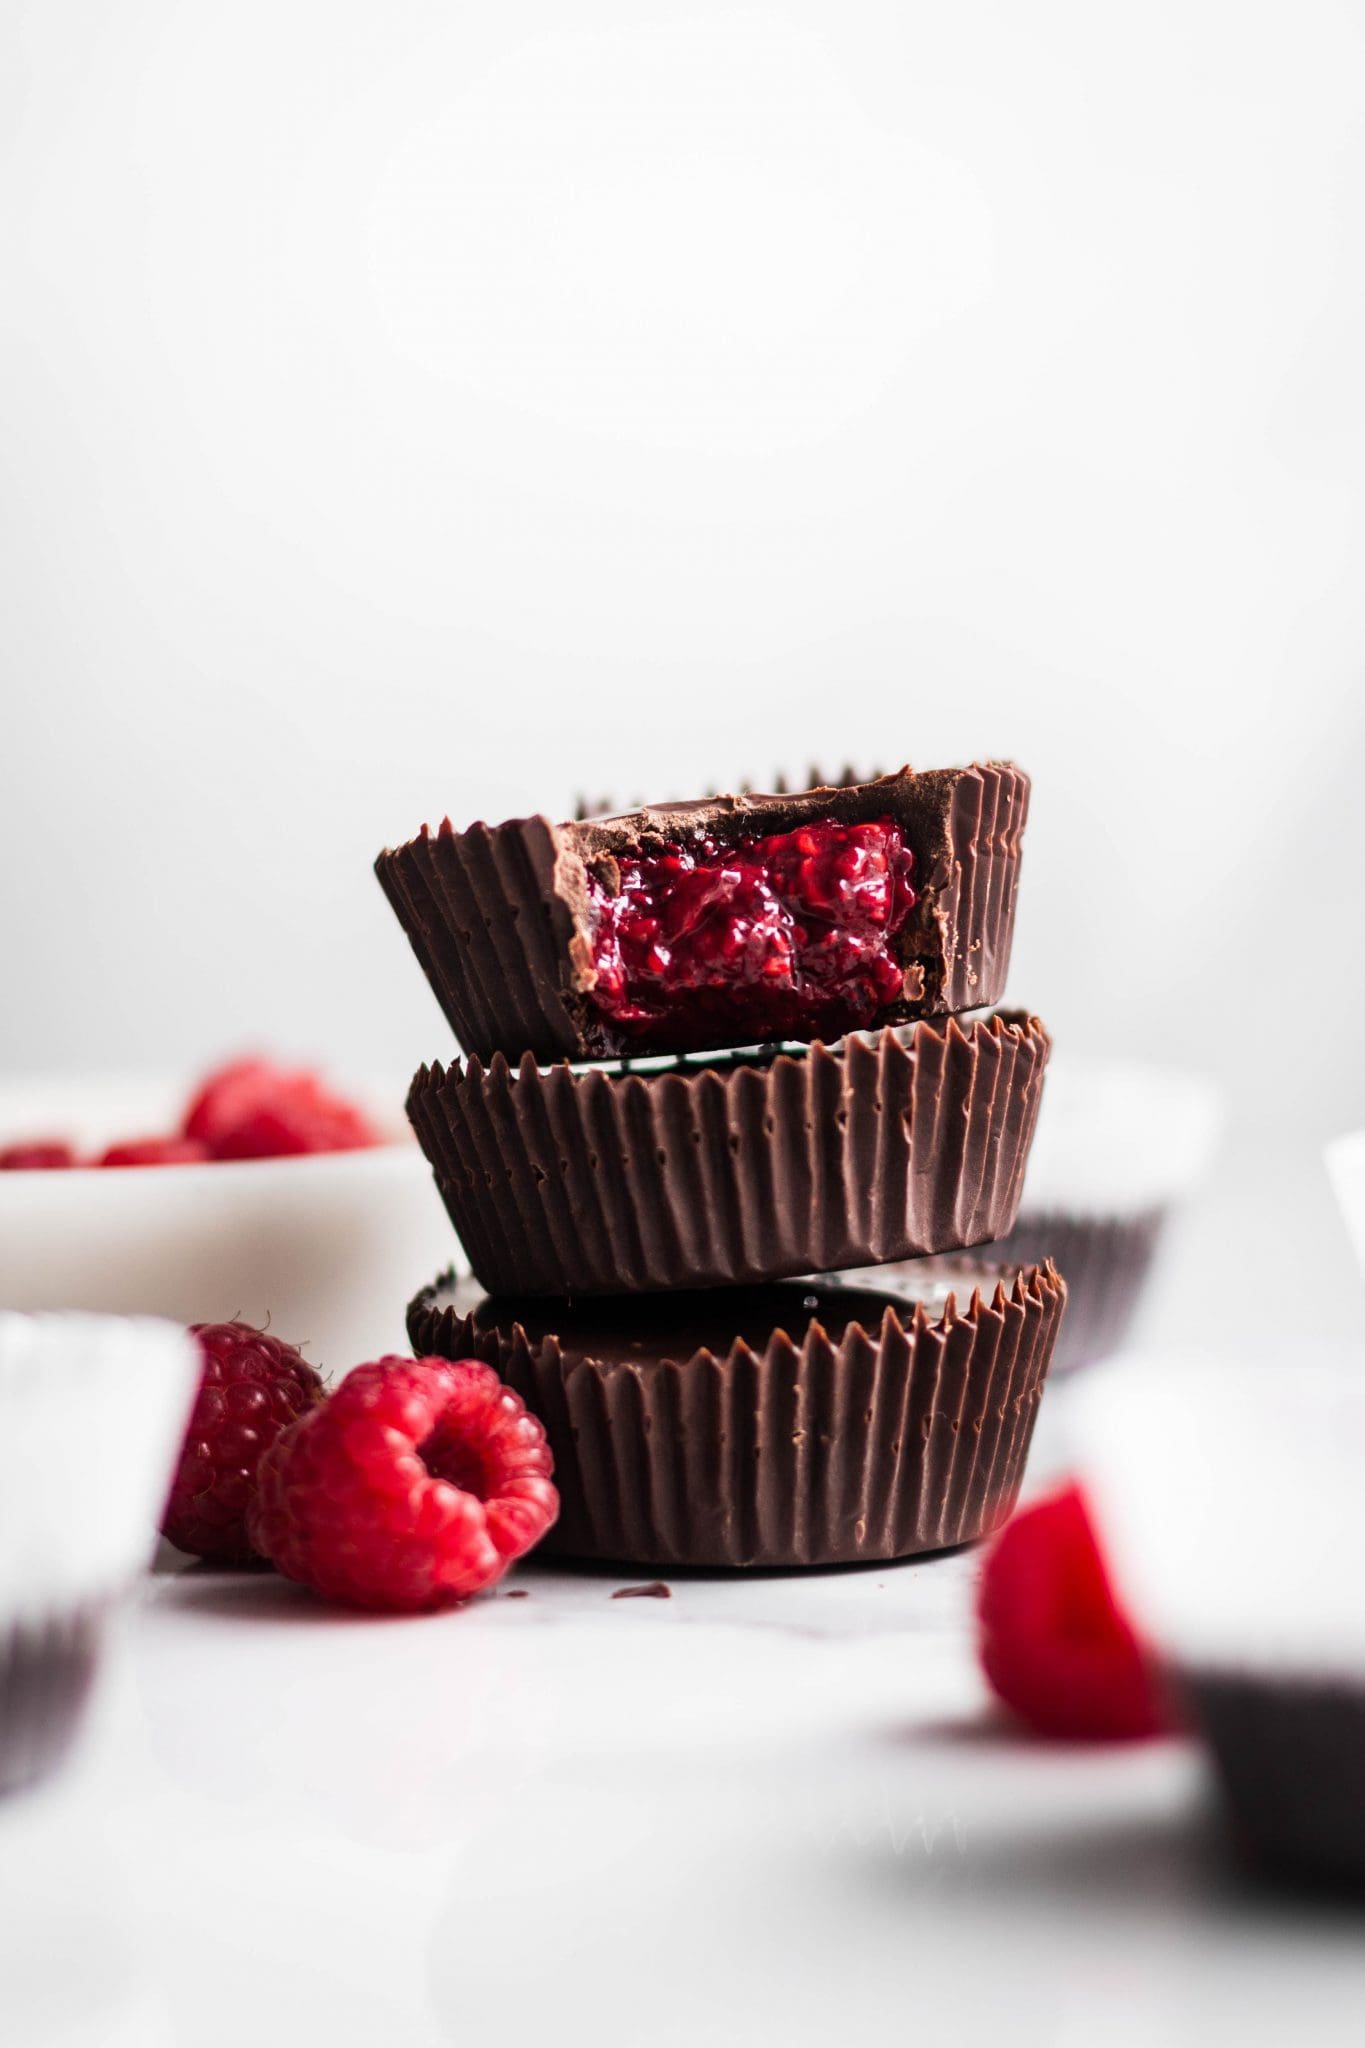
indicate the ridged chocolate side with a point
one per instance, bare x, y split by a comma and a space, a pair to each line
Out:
492, 929
1291, 1758
1106, 1260
905, 1437
499, 916
723, 1173
46, 1671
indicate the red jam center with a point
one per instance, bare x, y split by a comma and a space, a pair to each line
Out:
788, 936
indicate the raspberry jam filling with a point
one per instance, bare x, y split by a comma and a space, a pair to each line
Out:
785, 936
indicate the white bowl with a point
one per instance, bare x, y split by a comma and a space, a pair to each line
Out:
327, 1249
1346, 1170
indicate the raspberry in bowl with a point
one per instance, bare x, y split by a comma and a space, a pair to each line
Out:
255, 1214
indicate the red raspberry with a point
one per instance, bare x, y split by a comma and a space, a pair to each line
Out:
415, 1484
252, 1109
1054, 1642
35, 1155
253, 1387
155, 1152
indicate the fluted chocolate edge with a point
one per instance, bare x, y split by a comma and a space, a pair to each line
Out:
498, 915
728, 1172
1106, 1260
905, 1438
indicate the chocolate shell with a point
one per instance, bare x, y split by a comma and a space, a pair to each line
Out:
500, 916
730, 1170
1106, 1260
1290, 1754
47, 1668
805, 1424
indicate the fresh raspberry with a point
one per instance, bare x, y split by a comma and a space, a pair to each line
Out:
1054, 1641
415, 1484
37, 1155
253, 1387
252, 1109
155, 1152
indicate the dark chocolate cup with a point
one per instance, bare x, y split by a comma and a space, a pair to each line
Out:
726, 1172
1106, 1260
853, 1431
47, 1669
1290, 1754
500, 920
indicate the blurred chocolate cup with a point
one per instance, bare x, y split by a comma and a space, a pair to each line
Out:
92, 1415
1118, 1146
1229, 1504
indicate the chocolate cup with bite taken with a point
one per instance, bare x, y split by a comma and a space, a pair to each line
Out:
901, 905
811, 1423
730, 1170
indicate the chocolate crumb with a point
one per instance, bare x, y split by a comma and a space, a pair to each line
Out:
655, 1590
517, 1593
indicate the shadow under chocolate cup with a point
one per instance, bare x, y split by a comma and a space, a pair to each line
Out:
803, 1424
504, 919
726, 1170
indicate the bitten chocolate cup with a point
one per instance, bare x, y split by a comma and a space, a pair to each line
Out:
502, 918
726, 1171
809, 1423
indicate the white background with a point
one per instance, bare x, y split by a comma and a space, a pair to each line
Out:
416, 407
411, 407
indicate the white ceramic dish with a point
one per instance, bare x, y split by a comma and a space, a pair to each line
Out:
1346, 1169
327, 1249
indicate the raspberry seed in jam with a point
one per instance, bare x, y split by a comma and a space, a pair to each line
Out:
784, 936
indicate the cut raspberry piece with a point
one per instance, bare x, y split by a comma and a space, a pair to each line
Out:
1054, 1642
789, 935
253, 1109
155, 1152
37, 1155
253, 1387
415, 1484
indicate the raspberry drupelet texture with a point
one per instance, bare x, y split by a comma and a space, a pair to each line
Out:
1055, 1643
253, 1387
789, 934
253, 1109
414, 1485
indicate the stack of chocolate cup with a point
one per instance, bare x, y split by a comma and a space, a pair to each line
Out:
643, 1206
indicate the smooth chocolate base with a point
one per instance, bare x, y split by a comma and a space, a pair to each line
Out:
802, 1424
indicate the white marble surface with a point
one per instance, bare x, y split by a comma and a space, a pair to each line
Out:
765, 1809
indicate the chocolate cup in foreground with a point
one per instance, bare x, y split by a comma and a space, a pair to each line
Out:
47, 1669
802, 1424
1290, 1754
1106, 1260
726, 1171
501, 920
